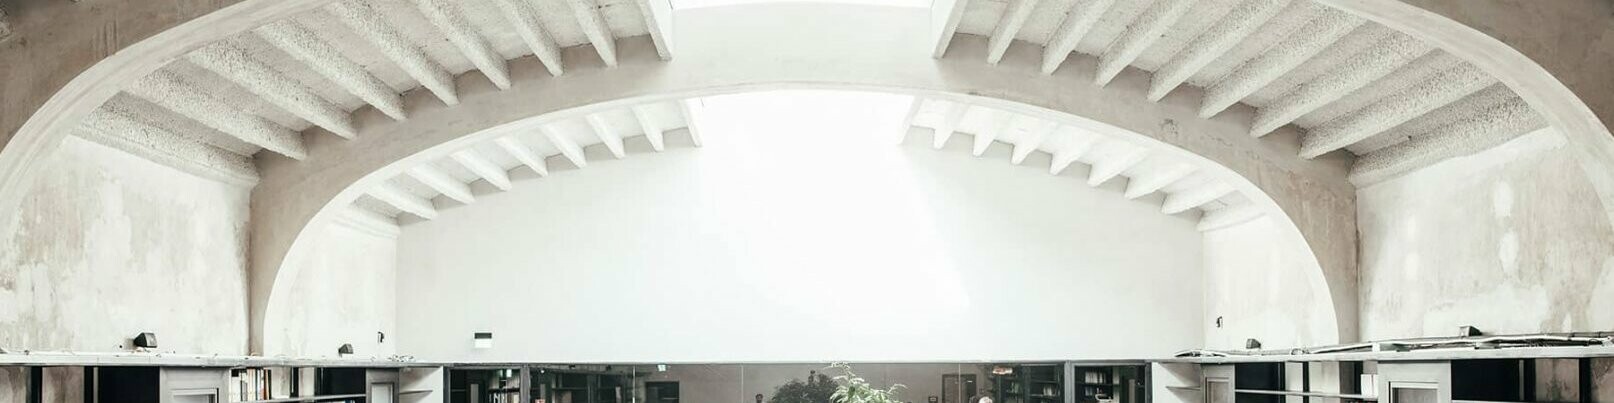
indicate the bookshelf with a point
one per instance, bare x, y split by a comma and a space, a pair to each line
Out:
1028, 383
1108, 384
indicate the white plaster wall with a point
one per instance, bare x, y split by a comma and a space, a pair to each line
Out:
343, 293
767, 247
109, 245
1511, 240
1262, 290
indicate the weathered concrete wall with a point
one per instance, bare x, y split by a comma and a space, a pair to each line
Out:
109, 245
343, 293
1533, 254
1262, 290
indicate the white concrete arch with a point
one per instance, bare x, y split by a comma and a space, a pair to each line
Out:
1168, 121
1244, 200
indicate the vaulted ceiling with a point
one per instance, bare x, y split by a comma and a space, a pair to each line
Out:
1352, 85
1395, 101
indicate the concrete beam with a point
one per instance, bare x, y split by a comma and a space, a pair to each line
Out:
1444, 89
523, 153
1078, 21
1194, 197
1325, 27
479, 165
388, 193
1227, 217
1063, 158
233, 63
952, 113
303, 45
1139, 35
1113, 165
944, 18
1009, 25
448, 19
369, 222
567, 147
124, 131
611, 139
1001, 122
436, 179
587, 13
1157, 179
361, 18
1385, 56
524, 19
1494, 127
651, 131
1214, 42
658, 20
174, 93
1033, 140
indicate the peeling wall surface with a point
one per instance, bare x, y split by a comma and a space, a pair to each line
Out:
1262, 291
110, 245
343, 293
1532, 255
801, 248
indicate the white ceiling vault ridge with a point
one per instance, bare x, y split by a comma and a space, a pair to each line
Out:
1148, 168
1397, 102
210, 112
490, 157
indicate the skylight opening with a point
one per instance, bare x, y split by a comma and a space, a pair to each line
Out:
690, 4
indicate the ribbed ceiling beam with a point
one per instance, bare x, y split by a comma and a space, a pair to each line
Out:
479, 165
1326, 27
1144, 185
1464, 109
588, 17
233, 63
1113, 165
1364, 67
1493, 127
1139, 35
526, 22
690, 110
951, 114
516, 148
303, 45
1013, 18
1078, 21
567, 147
1214, 42
654, 24
121, 130
451, 22
436, 179
1444, 89
1001, 122
391, 194
653, 133
1227, 217
602, 130
1034, 138
168, 90
1194, 197
1073, 152
369, 24
362, 219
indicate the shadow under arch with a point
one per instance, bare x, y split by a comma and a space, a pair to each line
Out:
1292, 237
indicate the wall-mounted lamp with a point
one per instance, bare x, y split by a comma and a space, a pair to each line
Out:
482, 340
345, 349
661, 367
1252, 344
146, 340
1469, 331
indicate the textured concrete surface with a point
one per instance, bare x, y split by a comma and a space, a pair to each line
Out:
1530, 255
63, 385
1261, 290
109, 245
344, 293
1572, 39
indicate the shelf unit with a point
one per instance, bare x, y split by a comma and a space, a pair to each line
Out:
1283, 382
1029, 383
1108, 383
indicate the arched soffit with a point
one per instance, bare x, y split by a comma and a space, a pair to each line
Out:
65, 111
1189, 181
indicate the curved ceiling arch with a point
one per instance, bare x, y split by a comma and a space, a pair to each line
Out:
875, 45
